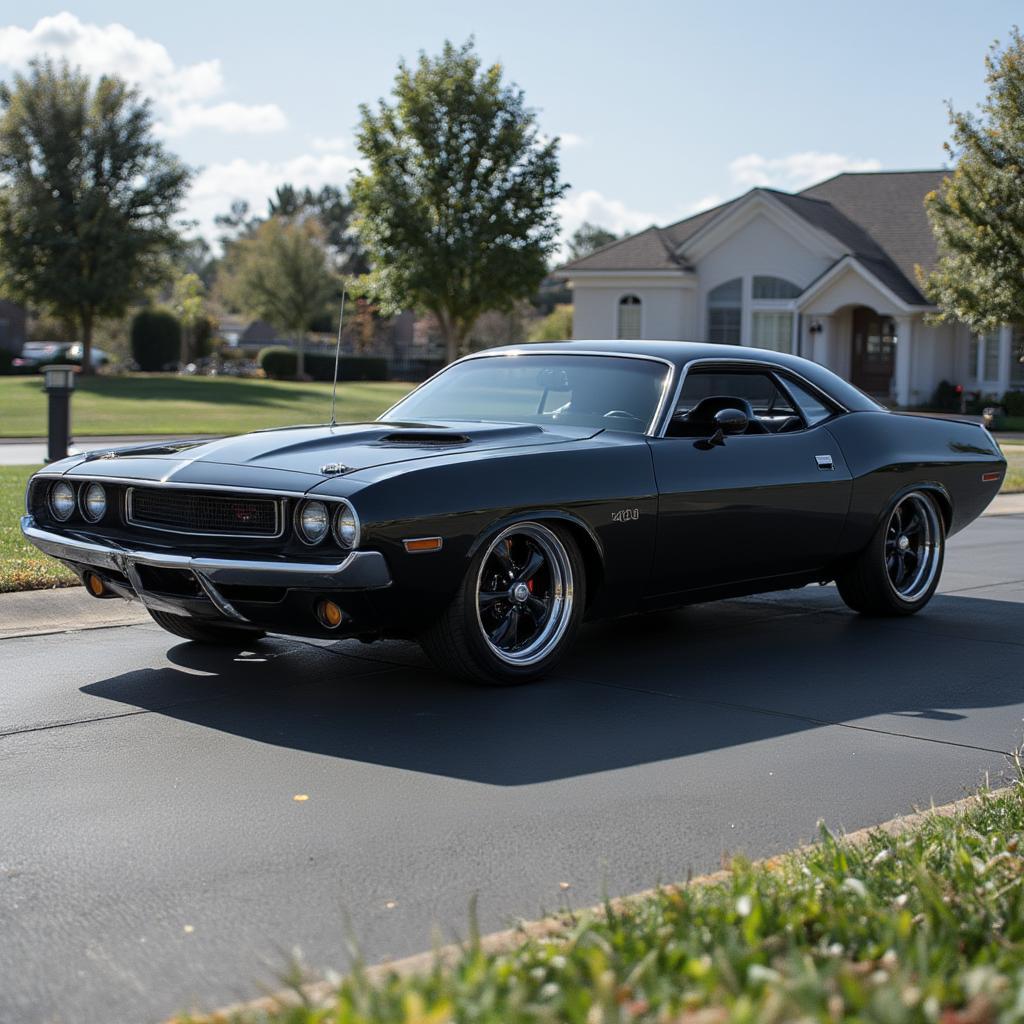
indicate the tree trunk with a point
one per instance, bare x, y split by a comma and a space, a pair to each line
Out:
86, 324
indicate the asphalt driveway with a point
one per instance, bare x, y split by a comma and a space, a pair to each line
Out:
153, 857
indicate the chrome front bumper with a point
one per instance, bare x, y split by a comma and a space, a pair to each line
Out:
359, 570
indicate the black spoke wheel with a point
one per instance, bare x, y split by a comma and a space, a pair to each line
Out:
524, 593
518, 609
899, 570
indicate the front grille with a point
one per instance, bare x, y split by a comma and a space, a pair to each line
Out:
212, 514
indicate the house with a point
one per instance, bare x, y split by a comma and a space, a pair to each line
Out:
13, 321
827, 273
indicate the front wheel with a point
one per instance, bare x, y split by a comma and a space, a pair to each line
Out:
897, 573
517, 611
203, 632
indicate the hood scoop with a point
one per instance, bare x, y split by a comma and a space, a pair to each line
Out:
419, 438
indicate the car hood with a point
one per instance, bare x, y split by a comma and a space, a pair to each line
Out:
298, 458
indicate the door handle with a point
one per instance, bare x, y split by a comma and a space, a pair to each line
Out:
824, 462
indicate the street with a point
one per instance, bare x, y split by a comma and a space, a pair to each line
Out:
154, 857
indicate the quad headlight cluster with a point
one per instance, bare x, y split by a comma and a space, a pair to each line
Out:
315, 519
90, 500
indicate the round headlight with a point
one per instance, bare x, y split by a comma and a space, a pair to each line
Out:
346, 526
94, 503
62, 500
313, 521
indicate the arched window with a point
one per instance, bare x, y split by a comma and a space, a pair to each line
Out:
774, 288
630, 312
725, 312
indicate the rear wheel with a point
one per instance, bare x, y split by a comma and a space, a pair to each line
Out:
204, 632
897, 573
517, 611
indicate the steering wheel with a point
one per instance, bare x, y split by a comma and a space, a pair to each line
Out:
621, 414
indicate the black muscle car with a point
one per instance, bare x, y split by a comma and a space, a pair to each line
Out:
521, 490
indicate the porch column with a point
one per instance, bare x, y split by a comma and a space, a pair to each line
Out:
901, 377
1005, 352
822, 340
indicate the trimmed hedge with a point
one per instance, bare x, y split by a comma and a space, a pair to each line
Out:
281, 363
6, 362
1013, 403
156, 340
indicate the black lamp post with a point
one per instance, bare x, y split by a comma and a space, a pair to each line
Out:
58, 383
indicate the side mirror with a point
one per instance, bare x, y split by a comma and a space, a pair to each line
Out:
731, 421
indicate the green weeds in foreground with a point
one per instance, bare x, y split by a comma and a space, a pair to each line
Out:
927, 926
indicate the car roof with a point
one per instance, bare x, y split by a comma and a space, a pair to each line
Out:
679, 353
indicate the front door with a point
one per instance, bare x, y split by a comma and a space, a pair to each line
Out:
763, 504
874, 351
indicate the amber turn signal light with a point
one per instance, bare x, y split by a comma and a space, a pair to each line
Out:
329, 614
95, 585
418, 545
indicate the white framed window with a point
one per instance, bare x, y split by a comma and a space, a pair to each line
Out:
725, 312
990, 360
630, 318
771, 330
767, 287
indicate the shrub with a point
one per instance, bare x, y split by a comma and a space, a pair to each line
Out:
556, 326
320, 366
278, 362
6, 362
156, 340
945, 397
282, 363
1013, 403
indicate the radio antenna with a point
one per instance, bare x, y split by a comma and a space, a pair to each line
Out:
337, 359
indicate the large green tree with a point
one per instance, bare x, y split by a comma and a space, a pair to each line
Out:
456, 208
281, 273
88, 196
978, 212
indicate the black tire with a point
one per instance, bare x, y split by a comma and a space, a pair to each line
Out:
467, 639
203, 632
897, 573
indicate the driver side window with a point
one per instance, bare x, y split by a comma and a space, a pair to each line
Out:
755, 393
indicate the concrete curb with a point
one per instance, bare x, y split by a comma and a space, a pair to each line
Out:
320, 993
37, 612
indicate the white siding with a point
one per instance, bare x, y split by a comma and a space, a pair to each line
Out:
667, 307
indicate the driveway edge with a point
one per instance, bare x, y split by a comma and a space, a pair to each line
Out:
320, 993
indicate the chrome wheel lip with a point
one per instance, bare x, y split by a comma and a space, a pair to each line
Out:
914, 508
562, 596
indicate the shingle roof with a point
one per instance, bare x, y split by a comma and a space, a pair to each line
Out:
889, 206
877, 216
647, 250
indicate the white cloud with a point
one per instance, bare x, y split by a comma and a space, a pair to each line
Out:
182, 94
702, 204
218, 185
796, 171
570, 139
596, 208
333, 144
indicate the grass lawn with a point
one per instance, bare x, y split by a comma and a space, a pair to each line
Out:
22, 567
926, 926
168, 404
1014, 482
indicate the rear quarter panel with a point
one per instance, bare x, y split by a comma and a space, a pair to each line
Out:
891, 453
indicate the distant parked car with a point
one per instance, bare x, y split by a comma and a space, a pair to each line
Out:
37, 354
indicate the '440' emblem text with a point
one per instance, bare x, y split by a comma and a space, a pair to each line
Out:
625, 515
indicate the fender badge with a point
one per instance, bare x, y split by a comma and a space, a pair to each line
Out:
332, 468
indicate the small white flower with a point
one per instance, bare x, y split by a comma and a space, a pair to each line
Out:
758, 972
549, 991
744, 905
855, 885
881, 857
901, 900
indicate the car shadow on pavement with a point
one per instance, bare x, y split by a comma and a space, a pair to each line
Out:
634, 691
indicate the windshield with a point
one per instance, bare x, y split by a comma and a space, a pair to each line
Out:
608, 392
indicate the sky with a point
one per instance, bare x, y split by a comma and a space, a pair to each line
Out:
663, 108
